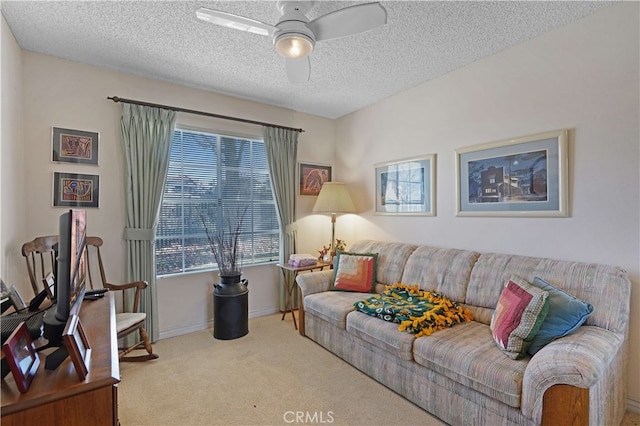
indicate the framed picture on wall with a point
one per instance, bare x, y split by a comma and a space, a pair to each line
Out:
312, 177
406, 187
75, 190
74, 146
525, 176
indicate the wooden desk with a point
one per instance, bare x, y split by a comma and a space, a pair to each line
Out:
290, 284
58, 397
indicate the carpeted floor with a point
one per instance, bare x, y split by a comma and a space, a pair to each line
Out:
272, 376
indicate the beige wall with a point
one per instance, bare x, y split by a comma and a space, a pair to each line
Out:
60, 93
12, 186
583, 77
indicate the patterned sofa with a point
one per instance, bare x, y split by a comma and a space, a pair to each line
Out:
459, 374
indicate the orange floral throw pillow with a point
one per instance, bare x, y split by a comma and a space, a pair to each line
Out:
355, 272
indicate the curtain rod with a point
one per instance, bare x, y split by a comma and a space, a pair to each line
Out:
208, 114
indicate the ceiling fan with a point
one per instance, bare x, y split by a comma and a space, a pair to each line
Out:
294, 36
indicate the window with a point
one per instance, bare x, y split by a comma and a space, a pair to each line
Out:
405, 184
214, 176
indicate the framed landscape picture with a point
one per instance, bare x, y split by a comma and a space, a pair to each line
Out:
75, 190
312, 177
74, 146
526, 176
406, 187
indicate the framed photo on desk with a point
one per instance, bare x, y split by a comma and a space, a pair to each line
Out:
77, 345
21, 356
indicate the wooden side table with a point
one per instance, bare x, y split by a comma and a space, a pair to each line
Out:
290, 284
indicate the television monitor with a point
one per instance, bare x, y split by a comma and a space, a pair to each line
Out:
70, 277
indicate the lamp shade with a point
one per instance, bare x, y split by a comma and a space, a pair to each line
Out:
294, 45
334, 198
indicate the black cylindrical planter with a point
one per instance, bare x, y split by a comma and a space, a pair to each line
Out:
230, 308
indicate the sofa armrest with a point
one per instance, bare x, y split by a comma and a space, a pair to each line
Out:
315, 282
580, 359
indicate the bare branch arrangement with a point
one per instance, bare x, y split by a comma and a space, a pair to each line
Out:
225, 246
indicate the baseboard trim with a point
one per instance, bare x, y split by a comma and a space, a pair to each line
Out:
633, 406
263, 312
192, 328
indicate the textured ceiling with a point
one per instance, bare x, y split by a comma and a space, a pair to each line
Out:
164, 40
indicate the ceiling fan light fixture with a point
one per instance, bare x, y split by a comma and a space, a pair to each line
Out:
294, 46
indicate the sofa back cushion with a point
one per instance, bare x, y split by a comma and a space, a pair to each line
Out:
605, 287
391, 259
446, 271
354, 272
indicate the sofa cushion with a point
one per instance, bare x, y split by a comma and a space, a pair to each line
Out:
382, 334
583, 280
520, 311
332, 306
355, 272
446, 271
566, 314
391, 258
467, 354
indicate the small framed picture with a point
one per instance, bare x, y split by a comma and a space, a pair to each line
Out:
407, 187
77, 345
312, 177
16, 299
21, 356
525, 176
49, 283
75, 190
74, 146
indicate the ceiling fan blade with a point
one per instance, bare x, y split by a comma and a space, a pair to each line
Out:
236, 22
348, 21
298, 70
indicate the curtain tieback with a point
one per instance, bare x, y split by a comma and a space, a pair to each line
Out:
291, 228
139, 234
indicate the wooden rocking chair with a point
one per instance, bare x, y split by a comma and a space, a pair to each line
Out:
127, 322
40, 256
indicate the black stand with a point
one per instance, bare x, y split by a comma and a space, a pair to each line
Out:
53, 329
5, 367
55, 358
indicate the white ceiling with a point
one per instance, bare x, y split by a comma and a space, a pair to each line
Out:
164, 40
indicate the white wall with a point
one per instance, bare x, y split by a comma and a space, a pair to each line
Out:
12, 186
71, 95
583, 77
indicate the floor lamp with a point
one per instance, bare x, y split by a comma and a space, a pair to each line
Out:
334, 198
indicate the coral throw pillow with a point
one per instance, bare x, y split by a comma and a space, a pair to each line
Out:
520, 311
355, 272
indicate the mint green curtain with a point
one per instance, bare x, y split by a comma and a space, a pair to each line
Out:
281, 146
146, 133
